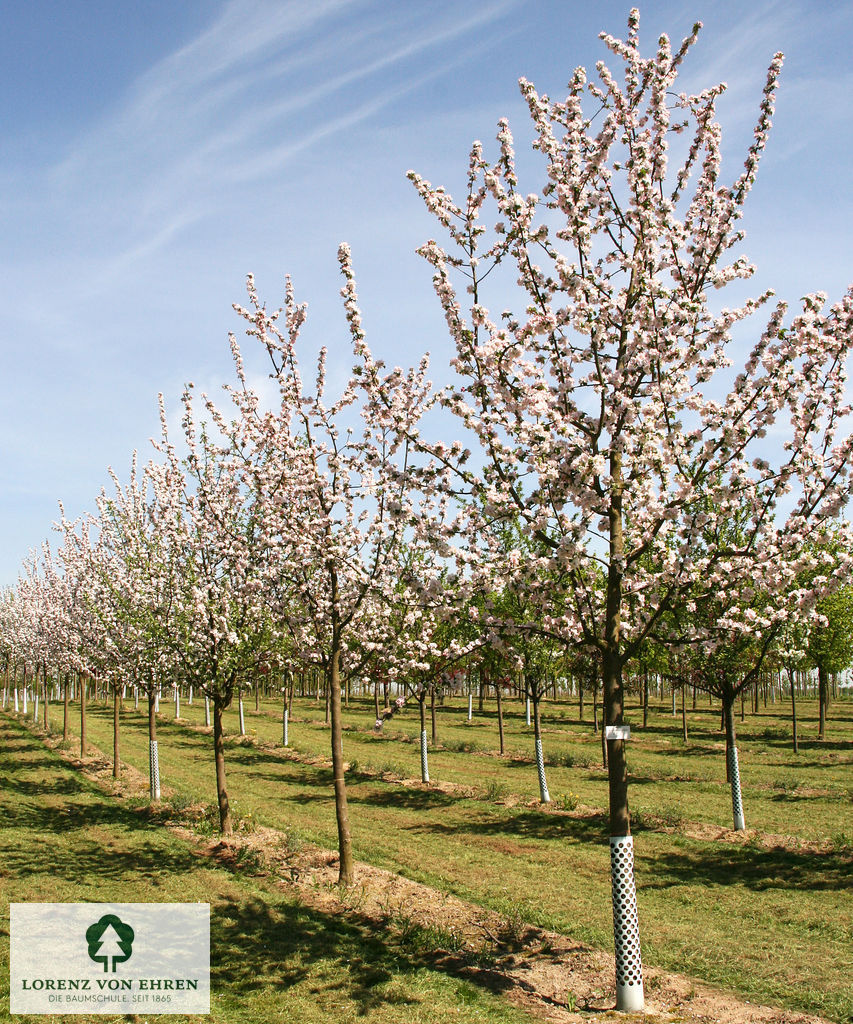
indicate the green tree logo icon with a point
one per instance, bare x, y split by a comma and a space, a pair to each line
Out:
109, 939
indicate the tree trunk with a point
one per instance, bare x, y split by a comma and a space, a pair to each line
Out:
116, 711
376, 699
345, 873
65, 708
225, 826
822, 688
153, 758
82, 715
732, 767
544, 795
424, 757
794, 710
645, 699
626, 928
498, 698
683, 713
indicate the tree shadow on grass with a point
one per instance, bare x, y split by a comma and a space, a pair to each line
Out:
694, 863
256, 946
80, 839
755, 868
403, 797
525, 825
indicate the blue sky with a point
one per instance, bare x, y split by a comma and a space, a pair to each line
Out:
154, 154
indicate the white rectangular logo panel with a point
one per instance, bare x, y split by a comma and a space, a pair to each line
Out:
137, 958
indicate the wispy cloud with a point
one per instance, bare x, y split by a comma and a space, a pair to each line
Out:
263, 84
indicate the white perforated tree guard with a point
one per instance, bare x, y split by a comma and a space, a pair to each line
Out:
25, 700
190, 699
527, 710
16, 700
284, 726
36, 708
153, 770
207, 711
177, 703
424, 758
242, 718
626, 926
470, 706
737, 800
544, 795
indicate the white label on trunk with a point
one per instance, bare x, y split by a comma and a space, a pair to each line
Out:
617, 732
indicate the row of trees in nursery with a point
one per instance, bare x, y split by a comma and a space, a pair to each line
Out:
625, 489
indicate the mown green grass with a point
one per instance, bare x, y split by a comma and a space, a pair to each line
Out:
807, 795
773, 924
273, 958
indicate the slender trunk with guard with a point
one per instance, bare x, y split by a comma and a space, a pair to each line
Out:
794, 710
46, 695
424, 755
225, 826
500, 716
346, 870
116, 712
153, 755
626, 928
544, 795
83, 681
732, 765
823, 700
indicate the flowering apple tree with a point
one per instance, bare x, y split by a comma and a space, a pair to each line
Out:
331, 494
604, 405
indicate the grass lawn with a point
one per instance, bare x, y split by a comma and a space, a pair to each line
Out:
768, 918
273, 959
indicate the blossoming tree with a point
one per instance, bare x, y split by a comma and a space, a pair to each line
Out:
603, 405
330, 496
